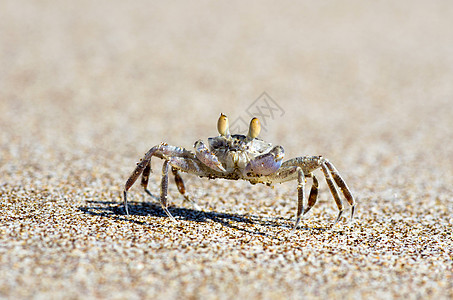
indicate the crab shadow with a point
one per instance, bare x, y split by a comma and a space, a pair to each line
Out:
243, 222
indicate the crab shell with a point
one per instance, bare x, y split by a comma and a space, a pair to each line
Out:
240, 154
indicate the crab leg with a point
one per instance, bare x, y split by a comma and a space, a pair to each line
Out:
162, 150
300, 196
313, 194
164, 189
181, 188
145, 179
311, 163
288, 173
333, 191
342, 185
178, 181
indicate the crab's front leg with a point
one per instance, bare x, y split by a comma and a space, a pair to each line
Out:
207, 157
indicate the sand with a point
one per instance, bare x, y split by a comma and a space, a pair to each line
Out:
86, 88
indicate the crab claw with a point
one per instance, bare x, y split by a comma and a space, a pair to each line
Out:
206, 157
267, 163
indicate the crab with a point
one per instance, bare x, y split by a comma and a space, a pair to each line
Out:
241, 157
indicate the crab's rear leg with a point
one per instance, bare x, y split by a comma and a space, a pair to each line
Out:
311, 163
187, 164
342, 185
313, 194
140, 169
333, 191
181, 187
178, 181
332, 174
300, 196
145, 179
143, 167
164, 190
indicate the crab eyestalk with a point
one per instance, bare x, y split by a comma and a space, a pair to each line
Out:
254, 129
222, 125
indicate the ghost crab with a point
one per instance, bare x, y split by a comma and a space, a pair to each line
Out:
237, 157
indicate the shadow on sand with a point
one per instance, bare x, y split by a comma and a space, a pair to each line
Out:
241, 222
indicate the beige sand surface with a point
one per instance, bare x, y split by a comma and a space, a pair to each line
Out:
86, 87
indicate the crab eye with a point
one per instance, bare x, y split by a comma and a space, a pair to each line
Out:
255, 128
222, 125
